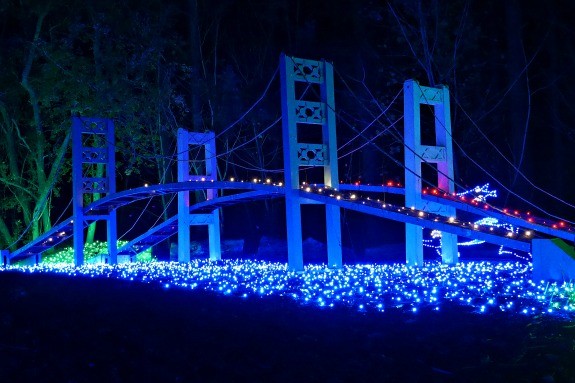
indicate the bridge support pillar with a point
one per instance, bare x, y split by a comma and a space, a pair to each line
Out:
413, 245
207, 140
5, 254
92, 146
299, 112
294, 230
440, 154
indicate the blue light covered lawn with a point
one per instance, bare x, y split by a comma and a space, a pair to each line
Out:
483, 286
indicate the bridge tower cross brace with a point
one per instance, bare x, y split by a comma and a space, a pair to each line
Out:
297, 111
185, 219
441, 154
98, 135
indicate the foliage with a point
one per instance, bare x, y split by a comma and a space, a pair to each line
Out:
87, 62
91, 250
571, 296
154, 66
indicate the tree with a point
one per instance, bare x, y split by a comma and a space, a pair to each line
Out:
89, 63
27, 180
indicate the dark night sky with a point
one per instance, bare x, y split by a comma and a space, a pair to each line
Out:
200, 64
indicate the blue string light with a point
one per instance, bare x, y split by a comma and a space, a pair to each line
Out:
483, 286
480, 194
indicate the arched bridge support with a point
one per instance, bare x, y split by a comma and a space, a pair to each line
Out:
441, 154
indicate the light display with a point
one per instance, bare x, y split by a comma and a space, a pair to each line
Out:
559, 229
480, 194
502, 230
482, 286
91, 250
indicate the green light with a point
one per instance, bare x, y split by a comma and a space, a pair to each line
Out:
91, 250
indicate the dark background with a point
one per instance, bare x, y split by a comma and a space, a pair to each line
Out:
154, 66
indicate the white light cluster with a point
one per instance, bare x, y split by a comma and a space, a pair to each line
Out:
501, 230
479, 193
483, 286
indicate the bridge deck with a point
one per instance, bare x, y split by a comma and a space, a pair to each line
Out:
46, 241
170, 227
125, 197
94, 211
424, 219
566, 233
257, 191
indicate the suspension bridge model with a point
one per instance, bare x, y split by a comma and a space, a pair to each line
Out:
437, 209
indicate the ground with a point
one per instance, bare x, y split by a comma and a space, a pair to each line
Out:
62, 329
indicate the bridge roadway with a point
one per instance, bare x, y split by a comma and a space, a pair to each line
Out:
567, 233
94, 212
256, 191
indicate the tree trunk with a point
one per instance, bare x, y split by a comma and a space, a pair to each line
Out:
197, 81
42, 207
427, 59
163, 169
97, 57
558, 141
5, 232
518, 94
39, 141
15, 182
196, 61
